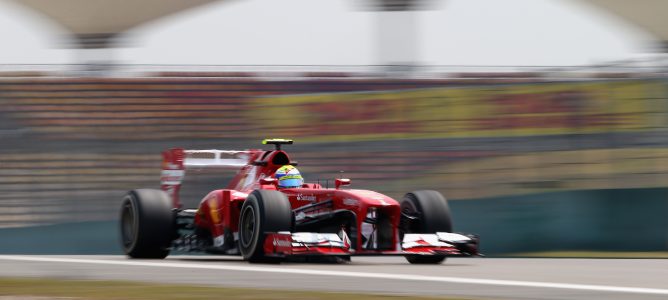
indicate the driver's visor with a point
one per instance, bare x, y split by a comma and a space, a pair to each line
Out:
288, 183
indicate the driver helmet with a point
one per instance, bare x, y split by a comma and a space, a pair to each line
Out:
288, 177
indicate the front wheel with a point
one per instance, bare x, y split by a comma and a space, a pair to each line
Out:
425, 212
147, 224
263, 211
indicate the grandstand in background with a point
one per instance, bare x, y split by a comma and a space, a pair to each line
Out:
75, 138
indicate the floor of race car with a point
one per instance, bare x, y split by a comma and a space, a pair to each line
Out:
480, 278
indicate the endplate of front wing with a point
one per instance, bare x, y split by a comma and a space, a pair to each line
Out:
311, 243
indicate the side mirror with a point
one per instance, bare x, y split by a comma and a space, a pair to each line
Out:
341, 182
268, 181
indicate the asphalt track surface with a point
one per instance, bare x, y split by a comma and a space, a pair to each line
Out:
473, 278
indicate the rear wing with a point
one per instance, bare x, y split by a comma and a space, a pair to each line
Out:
215, 158
176, 161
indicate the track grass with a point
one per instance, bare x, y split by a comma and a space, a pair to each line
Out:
117, 290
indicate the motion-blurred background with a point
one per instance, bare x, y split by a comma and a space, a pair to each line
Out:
544, 122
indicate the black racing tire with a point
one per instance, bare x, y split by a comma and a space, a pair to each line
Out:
263, 211
147, 224
433, 215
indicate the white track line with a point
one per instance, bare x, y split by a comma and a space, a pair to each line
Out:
267, 269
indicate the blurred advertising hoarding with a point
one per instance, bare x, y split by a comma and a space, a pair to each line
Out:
487, 111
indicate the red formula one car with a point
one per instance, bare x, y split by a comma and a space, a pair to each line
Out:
258, 218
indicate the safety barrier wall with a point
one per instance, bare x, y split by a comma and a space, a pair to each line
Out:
589, 220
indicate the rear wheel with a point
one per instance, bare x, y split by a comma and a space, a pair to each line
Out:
425, 212
147, 224
263, 211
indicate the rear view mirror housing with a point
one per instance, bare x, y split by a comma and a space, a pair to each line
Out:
339, 182
268, 181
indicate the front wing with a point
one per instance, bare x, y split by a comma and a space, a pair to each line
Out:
308, 243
